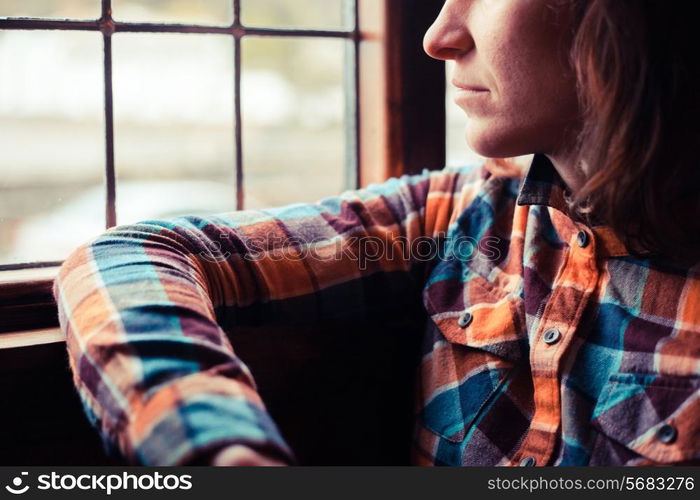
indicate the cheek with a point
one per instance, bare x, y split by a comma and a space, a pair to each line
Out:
533, 91
509, 125
534, 101
538, 123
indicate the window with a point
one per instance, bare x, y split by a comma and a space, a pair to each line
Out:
190, 100
458, 152
353, 73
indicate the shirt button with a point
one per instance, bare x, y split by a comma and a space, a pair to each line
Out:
528, 462
552, 336
667, 434
465, 319
583, 239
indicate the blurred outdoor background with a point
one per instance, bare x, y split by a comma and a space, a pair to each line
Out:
173, 117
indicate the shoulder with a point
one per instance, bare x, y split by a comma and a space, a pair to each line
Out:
454, 191
488, 189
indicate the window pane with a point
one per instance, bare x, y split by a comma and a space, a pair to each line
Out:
53, 9
324, 14
51, 143
458, 152
173, 107
217, 12
293, 115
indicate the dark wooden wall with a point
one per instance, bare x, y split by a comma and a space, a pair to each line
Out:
341, 394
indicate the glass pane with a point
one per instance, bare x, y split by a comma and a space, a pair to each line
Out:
458, 152
323, 14
217, 12
52, 9
173, 108
51, 143
293, 116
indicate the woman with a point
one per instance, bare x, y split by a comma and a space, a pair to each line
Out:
565, 332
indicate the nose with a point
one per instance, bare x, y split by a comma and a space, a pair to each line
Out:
448, 37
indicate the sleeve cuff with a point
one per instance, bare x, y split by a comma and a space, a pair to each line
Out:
204, 423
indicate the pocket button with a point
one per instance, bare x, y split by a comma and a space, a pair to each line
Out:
465, 319
667, 434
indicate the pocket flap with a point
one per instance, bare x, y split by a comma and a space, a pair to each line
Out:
496, 318
471, 360
656, 416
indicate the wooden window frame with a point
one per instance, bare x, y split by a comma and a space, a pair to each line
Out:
400, 125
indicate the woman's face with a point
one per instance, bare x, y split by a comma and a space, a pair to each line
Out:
511, 73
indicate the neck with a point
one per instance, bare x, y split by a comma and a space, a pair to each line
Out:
571, 172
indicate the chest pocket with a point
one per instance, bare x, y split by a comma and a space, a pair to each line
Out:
474, 341
647, 420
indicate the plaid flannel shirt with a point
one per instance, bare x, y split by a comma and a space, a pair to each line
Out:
547, 342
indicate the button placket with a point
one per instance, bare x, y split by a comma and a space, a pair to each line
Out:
551, 336
582, 239
582, 242
562, 314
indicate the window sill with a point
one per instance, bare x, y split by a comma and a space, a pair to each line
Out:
26, 300
13, 340
28, 275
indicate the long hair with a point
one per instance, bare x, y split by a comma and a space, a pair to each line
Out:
638, 88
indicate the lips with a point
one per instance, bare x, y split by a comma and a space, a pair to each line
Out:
473, 99
470, 87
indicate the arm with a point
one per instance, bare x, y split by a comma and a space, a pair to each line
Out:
145, 307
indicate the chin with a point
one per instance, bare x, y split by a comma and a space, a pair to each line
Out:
490, 143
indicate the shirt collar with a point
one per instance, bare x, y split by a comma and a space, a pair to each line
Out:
544, 186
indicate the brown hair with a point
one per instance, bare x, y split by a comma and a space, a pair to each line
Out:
639, 91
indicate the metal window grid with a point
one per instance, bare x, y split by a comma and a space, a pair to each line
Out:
108, 26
